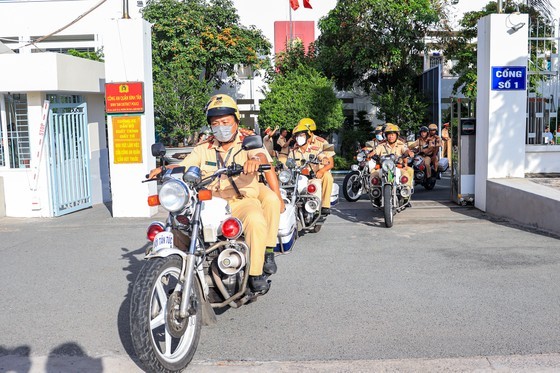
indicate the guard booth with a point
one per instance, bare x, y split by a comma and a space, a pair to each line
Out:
463, 123
53, 149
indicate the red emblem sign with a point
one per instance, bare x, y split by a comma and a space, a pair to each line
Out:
126, 97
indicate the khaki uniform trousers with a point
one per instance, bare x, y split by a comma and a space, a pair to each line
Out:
447, 149
428, 163
327, 182
250, 212
271, 211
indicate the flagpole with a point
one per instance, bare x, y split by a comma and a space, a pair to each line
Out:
291, 26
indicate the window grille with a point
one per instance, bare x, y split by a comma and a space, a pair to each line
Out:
18, 131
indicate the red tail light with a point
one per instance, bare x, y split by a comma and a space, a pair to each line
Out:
375, 180
232, 228
421, 167
153, 230
311, 188
404, 179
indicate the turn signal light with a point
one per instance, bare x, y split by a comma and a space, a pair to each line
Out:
231, 228
153, 200
311, 188
377, 166
404, 179
153, 230
421, 167
204, 195
305, 171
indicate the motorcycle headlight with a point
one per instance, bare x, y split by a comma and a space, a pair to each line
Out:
361, 156
388, 164
284, 176
173, 195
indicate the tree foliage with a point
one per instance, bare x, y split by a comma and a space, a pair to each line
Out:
300, 93
196, 45
375, 45
462, 49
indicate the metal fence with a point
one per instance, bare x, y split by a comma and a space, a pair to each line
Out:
543, 84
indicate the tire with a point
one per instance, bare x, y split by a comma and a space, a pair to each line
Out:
317, 228
388, 205
348, 186
430, 183
149, 340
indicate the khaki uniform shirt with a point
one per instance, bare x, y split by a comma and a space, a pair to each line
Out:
435, 141
314, 147
205, 157
398, 149
282, 142
419, 145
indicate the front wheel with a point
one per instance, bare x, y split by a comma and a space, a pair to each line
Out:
352, 186
388, 205
162, 340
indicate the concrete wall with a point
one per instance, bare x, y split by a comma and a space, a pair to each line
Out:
542, 159
524, 202
50, 72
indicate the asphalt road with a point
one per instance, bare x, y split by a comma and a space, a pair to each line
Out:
447, 286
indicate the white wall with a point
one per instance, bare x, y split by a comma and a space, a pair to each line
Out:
542, 159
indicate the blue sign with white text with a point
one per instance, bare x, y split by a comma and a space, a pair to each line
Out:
509, 78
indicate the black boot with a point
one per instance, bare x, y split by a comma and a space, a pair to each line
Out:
325, 211
269, 263
258, 283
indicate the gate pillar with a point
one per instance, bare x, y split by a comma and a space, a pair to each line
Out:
128, 59
502, 100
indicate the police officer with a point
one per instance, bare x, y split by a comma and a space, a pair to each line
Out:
435, 143
422, 147
284, 145
393, 145
446, 141
308, 143
378, 138
241, 191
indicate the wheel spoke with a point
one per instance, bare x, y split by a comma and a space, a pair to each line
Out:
167, 352
162, 295
158, 320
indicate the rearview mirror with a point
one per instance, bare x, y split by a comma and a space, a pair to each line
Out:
252, 142
158, 149
328, 147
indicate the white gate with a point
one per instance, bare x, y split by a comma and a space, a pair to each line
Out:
69, 154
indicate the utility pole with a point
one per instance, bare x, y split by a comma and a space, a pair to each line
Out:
125, 10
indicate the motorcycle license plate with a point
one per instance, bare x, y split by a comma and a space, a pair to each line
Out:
163, 240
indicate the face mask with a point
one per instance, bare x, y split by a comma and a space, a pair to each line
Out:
222, 133
379, 137
301, 140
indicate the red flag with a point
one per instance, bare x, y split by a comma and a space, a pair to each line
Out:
294, 4
306, 4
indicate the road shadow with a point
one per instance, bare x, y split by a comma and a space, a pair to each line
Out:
133, 266
15, 360
58, 360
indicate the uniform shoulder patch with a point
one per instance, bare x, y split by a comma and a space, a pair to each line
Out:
320, 139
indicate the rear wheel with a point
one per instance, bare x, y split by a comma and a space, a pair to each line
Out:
164, 341
351, 186
388, 205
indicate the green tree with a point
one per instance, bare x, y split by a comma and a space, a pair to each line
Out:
196, 46
462, 49
376, 45
95, 56
300, 93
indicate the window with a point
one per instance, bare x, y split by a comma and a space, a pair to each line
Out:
435, 60
18, 154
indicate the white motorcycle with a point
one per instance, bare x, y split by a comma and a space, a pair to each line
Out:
304, 192
389, 191
198, 262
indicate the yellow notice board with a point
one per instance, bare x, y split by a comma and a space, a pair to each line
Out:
127, 139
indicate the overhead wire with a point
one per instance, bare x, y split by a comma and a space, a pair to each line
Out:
38, 40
